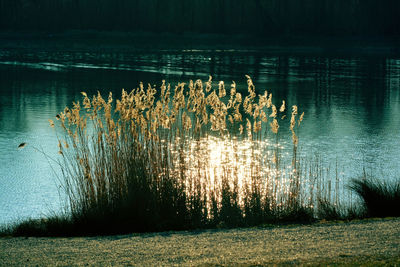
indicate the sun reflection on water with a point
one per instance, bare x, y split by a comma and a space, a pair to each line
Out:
241, 163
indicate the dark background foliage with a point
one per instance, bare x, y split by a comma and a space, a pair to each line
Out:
262, 17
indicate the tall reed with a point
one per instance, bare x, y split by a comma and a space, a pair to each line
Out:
186, 157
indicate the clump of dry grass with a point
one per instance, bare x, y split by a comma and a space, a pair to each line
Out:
177, 158
379, 198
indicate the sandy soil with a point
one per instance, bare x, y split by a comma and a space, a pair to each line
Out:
372, 242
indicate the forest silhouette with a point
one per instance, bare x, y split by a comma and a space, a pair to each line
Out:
259, 17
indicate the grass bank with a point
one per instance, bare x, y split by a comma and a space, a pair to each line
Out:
359, 243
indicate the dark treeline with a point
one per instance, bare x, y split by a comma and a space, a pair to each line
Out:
321, 17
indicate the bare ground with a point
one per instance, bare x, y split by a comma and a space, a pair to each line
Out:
366, 242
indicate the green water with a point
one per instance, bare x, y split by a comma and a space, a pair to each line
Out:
352, 105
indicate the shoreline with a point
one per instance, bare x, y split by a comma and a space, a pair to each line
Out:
365, 242
91, 40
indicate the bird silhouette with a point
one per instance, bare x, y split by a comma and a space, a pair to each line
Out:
22, 145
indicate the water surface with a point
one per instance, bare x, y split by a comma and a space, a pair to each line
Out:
352, 106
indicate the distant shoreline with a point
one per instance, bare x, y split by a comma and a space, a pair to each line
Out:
193, 42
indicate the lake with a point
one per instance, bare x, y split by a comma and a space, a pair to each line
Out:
351, 103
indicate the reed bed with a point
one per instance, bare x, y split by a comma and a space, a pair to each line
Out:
193, 156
